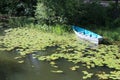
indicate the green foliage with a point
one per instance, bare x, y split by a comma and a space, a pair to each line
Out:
63, 11
114, 75
24, 39
71, 12
41, 13
30, 39
95, 14
58, 29
111, 34
87, 75
74, 68
20, 21
116, 22
102, 56
46, 12
57, 71
7, 6
17, 7
55, 11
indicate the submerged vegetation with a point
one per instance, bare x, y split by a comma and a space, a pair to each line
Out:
29, 40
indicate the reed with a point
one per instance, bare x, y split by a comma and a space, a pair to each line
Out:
57, 29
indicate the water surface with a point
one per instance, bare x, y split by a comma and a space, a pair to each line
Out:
33, 69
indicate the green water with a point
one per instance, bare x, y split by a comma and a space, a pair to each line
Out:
33, 69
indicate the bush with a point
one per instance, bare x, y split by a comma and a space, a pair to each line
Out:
70, 12
94, 13
17, 7
116, 22
20, 21
46, 14
43, 14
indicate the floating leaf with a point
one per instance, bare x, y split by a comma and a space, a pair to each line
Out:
20, 61
57, 71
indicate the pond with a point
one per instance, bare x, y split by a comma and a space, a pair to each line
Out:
33, 69
53, 57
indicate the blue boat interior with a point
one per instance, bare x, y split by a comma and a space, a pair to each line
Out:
86, 32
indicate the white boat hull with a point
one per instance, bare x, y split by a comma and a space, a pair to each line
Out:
88, 38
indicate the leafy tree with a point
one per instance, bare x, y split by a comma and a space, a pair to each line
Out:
17, 7
53, 11
7, 6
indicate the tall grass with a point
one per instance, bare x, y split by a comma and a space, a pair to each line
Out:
20, 21
107, 33
112, 34
57, 29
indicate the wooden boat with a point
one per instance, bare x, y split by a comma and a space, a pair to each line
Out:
87, 35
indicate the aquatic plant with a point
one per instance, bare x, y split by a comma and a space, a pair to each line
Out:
102, 75
87, 75
74, 68
28, 40
114, 75
57, 71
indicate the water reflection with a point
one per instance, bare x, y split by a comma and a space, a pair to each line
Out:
8, 65
33, 69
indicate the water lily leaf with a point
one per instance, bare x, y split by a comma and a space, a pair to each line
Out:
20, 61
57, 71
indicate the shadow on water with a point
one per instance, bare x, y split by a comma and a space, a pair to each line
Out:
48, 50
33, 69
8, 65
